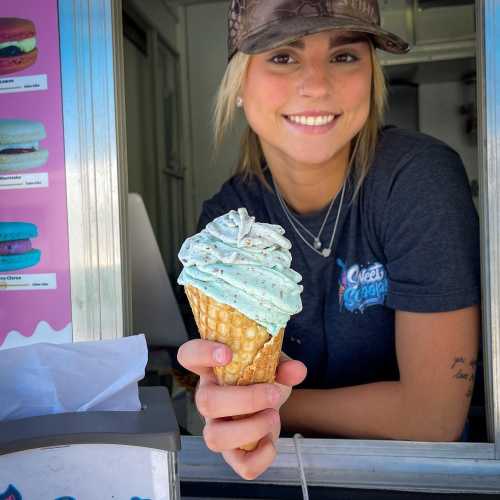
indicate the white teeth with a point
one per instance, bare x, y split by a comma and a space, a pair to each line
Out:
312, 121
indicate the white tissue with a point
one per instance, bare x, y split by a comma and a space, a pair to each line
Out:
42, 379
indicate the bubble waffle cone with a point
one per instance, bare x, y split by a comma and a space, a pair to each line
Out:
255, 352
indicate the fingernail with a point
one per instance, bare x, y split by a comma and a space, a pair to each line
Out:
220, 355
273, 395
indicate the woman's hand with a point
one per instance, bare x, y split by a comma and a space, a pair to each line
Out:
260, 402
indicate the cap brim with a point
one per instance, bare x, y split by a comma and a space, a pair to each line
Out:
285, 31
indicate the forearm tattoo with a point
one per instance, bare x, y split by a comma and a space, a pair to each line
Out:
465, 370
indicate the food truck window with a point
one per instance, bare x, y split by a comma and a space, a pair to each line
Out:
433, 89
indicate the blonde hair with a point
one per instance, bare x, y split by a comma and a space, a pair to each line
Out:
251, 155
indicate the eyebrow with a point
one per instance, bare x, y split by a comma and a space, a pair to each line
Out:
334, 42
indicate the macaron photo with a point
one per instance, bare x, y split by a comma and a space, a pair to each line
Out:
18, 48
20, 145
16, 251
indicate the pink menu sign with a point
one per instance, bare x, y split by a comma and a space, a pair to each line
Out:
35, 299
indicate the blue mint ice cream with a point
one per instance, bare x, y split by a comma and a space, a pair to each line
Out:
246, 265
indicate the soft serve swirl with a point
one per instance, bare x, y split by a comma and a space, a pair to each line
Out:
244, 264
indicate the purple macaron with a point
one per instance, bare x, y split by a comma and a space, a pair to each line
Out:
14, 247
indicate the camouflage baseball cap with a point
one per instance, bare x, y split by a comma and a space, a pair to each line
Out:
259, 25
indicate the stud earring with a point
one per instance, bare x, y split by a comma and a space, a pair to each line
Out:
239, 102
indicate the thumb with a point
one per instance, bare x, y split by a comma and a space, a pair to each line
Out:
290, 372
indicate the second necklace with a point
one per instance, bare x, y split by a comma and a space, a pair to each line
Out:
316, 246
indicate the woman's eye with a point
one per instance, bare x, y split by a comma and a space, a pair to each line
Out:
345, 58
282, 59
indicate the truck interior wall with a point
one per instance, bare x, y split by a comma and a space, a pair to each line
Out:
140, 140
143, 161
440, 116
206, 33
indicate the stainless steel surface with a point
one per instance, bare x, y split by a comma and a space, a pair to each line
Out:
94, 183
428, 25
122, 161
432, 24
489, 180
397, 17
433, 37
460, 49
405, 466
173, 476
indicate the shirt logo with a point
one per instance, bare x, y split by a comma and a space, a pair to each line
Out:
362, 287
10, 494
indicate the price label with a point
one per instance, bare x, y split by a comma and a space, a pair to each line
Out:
15, 282
23, 84
24, 181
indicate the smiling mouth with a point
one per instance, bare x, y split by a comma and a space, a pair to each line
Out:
312, 121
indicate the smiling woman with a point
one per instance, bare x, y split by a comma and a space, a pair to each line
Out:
383, 230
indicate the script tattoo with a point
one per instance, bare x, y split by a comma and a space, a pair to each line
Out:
465, 371
457, 361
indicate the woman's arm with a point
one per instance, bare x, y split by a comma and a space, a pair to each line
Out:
437, 355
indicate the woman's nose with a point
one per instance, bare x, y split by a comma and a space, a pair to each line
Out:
315, 82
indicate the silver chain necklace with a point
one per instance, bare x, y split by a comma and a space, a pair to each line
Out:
316, 245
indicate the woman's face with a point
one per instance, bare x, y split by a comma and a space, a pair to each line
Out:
307, 100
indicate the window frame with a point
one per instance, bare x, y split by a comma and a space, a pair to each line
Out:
488, 31
95, 148
347, 463
414, 466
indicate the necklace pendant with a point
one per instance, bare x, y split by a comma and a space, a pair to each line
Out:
317, 244
326, 252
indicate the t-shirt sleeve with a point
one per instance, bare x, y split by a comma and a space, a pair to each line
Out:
431, 235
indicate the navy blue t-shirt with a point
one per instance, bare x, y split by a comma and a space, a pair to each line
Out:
409, 241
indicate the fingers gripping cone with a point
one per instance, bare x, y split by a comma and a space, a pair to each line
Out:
255, 351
